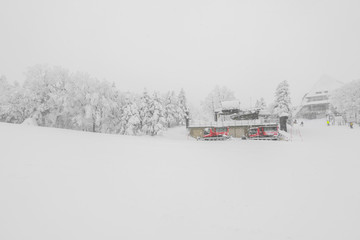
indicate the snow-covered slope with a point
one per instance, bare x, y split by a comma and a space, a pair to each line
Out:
59, 184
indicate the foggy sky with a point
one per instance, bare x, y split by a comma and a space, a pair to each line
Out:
248, 46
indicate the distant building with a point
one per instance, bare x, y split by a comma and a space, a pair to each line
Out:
237, 120
227, 108
316, 103
237, 129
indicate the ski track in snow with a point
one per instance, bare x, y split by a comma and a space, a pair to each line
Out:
62, 184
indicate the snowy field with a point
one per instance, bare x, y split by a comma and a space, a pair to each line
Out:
60, 184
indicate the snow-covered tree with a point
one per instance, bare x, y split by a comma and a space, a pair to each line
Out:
82, 102
346, 100
282, 104
94, 105
105, 106
171, 109
182, 107
112, 121
4, 97
214, 99
157, 112
56, 98
130, 118
18, 106
4, 88
46, 90
196, 112
260, 104
145, 112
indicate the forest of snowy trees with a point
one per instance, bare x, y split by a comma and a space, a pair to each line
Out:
54, 97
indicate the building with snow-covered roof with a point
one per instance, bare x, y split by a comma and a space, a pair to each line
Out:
227, 108
316, 103
237, 129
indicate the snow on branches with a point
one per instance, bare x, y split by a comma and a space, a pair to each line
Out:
54, 97
282, 105
214, 99
346, 100
261, 104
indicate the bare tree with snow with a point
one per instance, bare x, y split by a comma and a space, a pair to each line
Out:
261, 104
214, 99
346, 100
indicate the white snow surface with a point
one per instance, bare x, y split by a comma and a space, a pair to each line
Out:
62, 184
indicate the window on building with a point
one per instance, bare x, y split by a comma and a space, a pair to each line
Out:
223, 129
253, 131
318, 98
206, 131
270, 129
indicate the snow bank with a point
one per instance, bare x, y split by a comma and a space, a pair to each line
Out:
61, 184
284, 135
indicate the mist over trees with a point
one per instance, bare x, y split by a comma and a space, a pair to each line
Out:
54, 97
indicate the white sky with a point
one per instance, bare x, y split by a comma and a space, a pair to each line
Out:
249, 46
